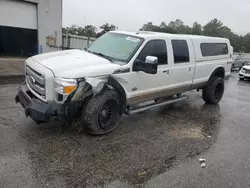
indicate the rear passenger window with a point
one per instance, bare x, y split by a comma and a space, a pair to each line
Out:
214, 49
180, 50
155, 48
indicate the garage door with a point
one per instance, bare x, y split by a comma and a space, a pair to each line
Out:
18, 14
18, 28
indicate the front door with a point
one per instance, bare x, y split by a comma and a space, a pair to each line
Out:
140, 86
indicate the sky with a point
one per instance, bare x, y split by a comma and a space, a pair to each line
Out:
132, 14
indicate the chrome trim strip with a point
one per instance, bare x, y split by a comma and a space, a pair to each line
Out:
35, 87
36, 77
147, 96
36, 94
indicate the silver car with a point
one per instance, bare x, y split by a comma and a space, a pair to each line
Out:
245, 62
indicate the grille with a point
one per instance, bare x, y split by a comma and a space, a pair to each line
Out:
36, 81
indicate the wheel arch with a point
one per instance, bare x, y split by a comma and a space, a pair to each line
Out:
121, 92
219, 72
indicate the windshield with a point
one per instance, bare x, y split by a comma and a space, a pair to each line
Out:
116, 46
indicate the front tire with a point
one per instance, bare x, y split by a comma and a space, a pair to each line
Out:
214, 90
101, 114
241, 79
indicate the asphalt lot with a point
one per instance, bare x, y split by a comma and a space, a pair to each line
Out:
158, 148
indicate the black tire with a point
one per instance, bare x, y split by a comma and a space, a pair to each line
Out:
213, 91
101, 114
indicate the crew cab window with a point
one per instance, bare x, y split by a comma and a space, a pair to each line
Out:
157, 48
214, 49
180, 50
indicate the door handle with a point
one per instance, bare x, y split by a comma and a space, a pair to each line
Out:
190, 69
166, 71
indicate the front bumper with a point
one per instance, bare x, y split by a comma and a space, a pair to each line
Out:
36, 109
242, 75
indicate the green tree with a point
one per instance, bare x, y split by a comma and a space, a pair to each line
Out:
184, 29
197, 29
246, 43
213, 28
237, 42
88, 30
108, 27
73, 30
149, 27
178, 26
217, 29
175, 24
163, 25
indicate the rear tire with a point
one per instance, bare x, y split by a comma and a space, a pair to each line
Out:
101, 114
214, 90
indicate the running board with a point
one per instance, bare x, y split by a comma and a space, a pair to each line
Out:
147, 107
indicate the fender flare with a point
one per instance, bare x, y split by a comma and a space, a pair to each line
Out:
121, 92
219, 72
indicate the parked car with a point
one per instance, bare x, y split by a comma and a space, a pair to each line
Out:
245, 62
118, 73
245, 70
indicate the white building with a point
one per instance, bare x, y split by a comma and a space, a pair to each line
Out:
27, 27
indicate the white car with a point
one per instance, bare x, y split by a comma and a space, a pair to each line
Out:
245, 71
120, 70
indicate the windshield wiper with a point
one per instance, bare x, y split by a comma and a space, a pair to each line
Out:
102, 55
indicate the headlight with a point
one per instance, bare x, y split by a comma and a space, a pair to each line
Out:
65, 86
243, 71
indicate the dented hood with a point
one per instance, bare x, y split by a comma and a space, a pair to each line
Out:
76, 64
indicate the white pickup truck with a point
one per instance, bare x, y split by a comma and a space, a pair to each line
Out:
118, 73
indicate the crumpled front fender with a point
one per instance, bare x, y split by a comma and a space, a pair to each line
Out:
97, 84
88, 87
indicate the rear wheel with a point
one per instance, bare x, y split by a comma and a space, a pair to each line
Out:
101, 114
214, 90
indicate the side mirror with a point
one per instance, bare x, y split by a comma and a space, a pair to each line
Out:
149, 66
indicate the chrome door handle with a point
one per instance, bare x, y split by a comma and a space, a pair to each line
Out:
166, 71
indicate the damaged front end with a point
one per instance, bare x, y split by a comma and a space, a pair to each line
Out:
65, 107
86, 89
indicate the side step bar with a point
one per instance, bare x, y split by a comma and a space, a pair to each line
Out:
147, 107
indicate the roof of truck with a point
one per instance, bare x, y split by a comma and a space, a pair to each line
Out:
149, 34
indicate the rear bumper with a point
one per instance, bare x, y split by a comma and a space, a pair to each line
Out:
36, 109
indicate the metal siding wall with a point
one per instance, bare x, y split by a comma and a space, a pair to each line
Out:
49, 23
76, 42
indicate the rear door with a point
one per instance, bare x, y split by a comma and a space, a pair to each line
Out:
183, 66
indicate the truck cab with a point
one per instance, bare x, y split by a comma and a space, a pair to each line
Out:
119, 71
